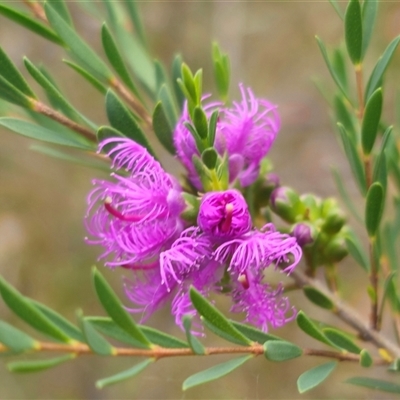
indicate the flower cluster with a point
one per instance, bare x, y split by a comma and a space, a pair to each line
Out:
245, 131
137, 219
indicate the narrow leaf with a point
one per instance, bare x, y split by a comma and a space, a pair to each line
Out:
162, 339
318, 298
311, 329
337, 9
315, 376
87, 76
370, 123
11, 74
374, 208
11, 94
355, 249
27, 22
16, 340
377, 74
76, 44
376, 384
176, 74
122, 119
25, 128
96, 342
330, 67
115, 59
276, 350
255, 335
353, 158
115, 310
341, 340
129, 373
136, 20
162, 128
353, 31
67, 327
168, 102
215, 317
194, 343
369, 12
39, 365
27, 312
62, 9
215, 372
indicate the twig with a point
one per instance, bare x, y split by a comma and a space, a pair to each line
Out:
162, 352
348, 315
56, 116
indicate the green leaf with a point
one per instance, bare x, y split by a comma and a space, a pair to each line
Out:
122, 119
315, 376
176, 74
167, 100
375, 80
215, 317
200, 122
369, 12
194, 343
39, 365
353, 158
380, 169
337, 9
366, 360
162, 339
11, 94
112, 304
96, 342
212, 127
11, 74
30, 314
341, 340
255, 335
78, 47
162, 128
16, 340
370, 123
345, 195
25, 128
374, 208
115, 59
318, 298
87, 76
69, 329
376, 384
311, 329
344, 116
109, 328
55, 97
355, 249
27, 22
277, 350
106, 132
353, 31
209, 157
62, 9
136, 20
330, 67
340, 67
129, 373
215, 372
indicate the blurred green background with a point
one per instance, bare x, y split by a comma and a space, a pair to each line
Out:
43, 200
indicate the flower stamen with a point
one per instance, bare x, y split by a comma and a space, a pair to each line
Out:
117, 214
227, 222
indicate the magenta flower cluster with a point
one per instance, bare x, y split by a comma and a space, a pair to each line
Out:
245, 131
136, 218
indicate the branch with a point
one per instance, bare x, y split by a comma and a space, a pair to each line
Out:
348, 315
163, 352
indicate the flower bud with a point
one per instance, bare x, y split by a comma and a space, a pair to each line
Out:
286, 203
312, 205
334, 222
335, 250
224, 214
304, 233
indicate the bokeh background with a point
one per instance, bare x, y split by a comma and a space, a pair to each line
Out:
43, 200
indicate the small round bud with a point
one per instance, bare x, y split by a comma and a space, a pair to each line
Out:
304, 233
334, 222
286, 203
336, 250
224, 214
